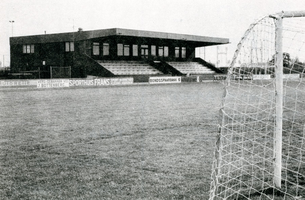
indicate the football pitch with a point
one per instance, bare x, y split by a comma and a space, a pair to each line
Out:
126, 142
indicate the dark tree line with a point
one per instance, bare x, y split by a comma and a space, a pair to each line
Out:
290, 66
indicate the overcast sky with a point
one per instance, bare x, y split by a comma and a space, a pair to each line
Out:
215, 18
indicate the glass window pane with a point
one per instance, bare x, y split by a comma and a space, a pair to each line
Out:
32, 48
120, 49
126, 50
153, 50
96, 48
71, 46
160, 53
183, 52
28, 48
24, 48
165, 51
177, 52
67, 46
105, 49
135, 50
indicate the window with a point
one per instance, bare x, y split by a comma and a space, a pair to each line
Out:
105, 49
177, 52
163, 51
153, 50
120, 49
96, 48
126, 50
28, 48
135, 50
160, 51
123, 50
69, 46
183, 52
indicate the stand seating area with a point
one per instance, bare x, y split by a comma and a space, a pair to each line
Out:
129, 68
191, 68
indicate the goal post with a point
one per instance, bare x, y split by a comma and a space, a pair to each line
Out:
60, 72
260, 148
278, 102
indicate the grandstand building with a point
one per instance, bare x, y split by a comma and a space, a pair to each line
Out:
110, 53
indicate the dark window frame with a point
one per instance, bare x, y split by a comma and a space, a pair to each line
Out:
106, 49
28, 48
183, 52
153, 50
163, 51
69, 46
135, 50
144, 51
96, 48
177, 52
123, 50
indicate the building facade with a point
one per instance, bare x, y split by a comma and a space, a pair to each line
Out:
82, 52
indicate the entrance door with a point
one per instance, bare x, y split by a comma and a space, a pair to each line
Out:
144, 51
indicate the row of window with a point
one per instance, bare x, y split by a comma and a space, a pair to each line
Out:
161, 51
181, 50
96, 49
29, 48
122, 50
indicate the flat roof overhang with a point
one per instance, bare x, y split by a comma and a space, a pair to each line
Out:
195, 40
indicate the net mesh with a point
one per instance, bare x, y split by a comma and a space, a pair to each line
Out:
243, 167
60, 72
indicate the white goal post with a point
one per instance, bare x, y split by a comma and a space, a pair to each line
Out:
260, 150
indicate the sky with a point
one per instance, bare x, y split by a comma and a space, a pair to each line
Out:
214, 18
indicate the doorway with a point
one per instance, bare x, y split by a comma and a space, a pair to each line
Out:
144, 51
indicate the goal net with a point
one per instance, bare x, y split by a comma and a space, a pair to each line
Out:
60, 72
260, 149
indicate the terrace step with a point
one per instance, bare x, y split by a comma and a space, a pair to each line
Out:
129, 68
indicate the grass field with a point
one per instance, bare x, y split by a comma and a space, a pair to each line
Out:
135, 142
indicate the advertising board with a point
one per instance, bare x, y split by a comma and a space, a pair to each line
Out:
164, 79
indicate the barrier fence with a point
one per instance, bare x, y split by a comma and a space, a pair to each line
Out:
165, 79
63, 83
